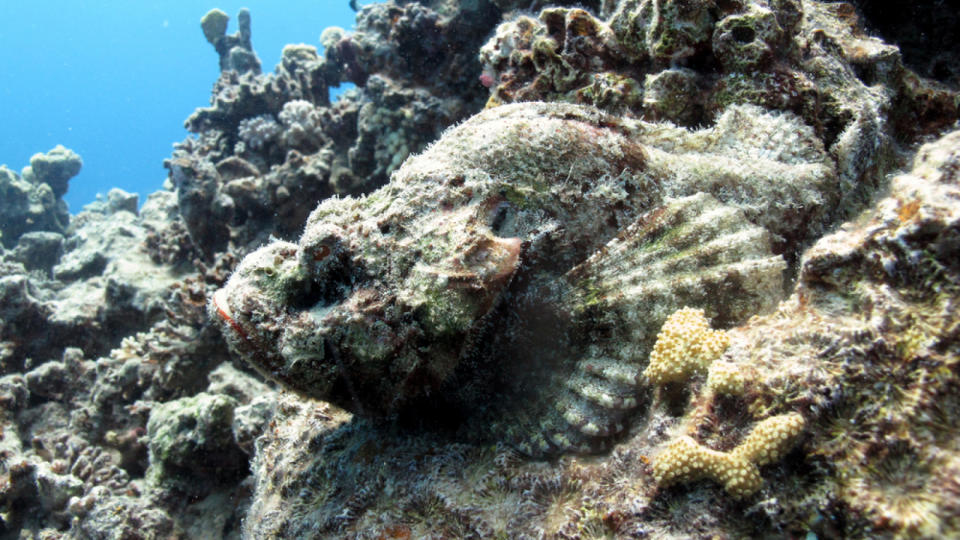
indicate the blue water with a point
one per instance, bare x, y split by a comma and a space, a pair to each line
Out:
114, 80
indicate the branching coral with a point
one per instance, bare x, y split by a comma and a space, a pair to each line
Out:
685, 460
259, 130
302, 124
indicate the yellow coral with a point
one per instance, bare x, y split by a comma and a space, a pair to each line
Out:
726, 378
685, 346
770, 439
684, 460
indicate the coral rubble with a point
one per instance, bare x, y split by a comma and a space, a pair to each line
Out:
473, 296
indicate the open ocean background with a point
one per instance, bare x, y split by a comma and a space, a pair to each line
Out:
114, 80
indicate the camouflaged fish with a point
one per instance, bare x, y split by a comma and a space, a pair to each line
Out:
509, 282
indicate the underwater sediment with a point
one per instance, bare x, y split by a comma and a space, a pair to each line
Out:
637, 268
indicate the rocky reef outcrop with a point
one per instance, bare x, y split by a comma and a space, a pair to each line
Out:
87, 287
634, 268
270, 147
33, 200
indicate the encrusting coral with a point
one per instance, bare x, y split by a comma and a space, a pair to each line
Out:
726, 378
685, 346
684, 460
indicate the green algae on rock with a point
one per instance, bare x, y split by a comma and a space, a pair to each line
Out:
512, 278
192, 447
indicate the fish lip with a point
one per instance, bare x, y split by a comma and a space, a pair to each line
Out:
221, 304
222, 307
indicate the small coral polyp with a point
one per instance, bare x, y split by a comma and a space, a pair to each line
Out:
510, 280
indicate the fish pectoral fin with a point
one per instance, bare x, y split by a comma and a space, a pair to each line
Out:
689, 251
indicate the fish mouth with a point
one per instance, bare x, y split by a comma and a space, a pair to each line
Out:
221, 306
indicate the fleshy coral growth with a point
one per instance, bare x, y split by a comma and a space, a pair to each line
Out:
685, 460
685, 346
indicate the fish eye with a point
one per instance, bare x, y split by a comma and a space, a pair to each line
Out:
323, 251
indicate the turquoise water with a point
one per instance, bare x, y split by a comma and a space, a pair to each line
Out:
114, 80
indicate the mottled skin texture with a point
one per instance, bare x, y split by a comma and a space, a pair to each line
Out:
511, 279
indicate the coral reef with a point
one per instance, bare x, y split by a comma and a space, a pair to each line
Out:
91, 451
454, 322
726, 415
271, 146
55, 169
882, 293
91, 288
236, 50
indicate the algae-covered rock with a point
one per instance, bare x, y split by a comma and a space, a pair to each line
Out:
271, 146
32, 202
109, 286
214, 25
813, 59
55, 168
235, 50
867, 346
39, 250
192, 448
663, 30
